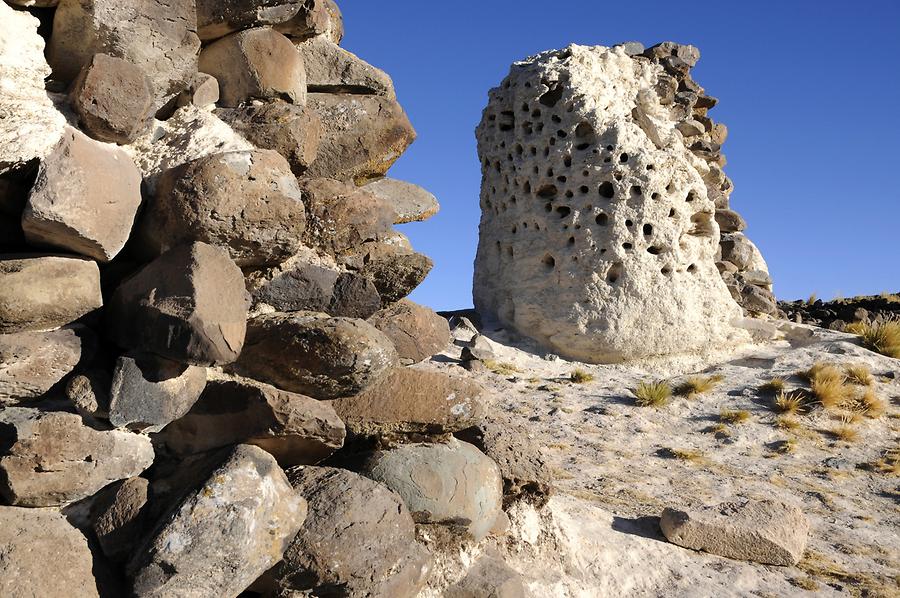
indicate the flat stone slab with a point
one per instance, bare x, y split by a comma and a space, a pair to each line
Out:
411, 202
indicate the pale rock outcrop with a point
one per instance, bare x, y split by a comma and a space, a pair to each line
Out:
411, 202
43, 555
257, 63
337, 546
53, 458
451, 483
44, 292
490, 577
85, 198
332, 69
159, 36
224, 534
202, 92
31, 363
766, 531
30, 125
598, 237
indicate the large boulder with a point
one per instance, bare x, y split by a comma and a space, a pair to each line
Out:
224, 534
31, 363
256, 64
43, 556
291, 130
295, 429
247, 202
416, 331
395, 269
45, 292
412, 403
411, 202
611, 265
452, 483
30, 124
85, 199
149, 392
306, 286
158, 36
316, 17
332, 69
314, 354
363, 136
113, 99
188, 305
52, 458
118, 517
766, 531
216, 18
358, 537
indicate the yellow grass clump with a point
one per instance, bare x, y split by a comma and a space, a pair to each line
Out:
501, 367
579, 376
845, 430
859, 373
697, 385
653, 394
773, 386
789, 402
883, 337
734, 417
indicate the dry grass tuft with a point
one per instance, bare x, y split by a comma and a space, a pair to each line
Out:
501, 367
786, 422
680, 454
790, 402
579, 376
773, 386
845, 431
828, 386
859, 373
734, 417
889, 463
697, 385
785, 447
872, 404
653, 394
882, 338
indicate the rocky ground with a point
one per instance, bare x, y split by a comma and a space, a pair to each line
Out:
617, 465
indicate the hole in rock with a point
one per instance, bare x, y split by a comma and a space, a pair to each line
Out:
553, 95
569, 194
629, 223
607, 190
584, 189
692, 268
623, 158
627, 246
690, 197
549, 261
548, 207
636, 190
583, 130
602, 219
652, 250
563, 211
648, 230
615, 273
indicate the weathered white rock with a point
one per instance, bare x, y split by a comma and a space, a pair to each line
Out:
31, 363
43, 556
223, 535
30, 125
767, 531
411, 202
44, 292
598, 238
452, 483
489, 578
332, 69
54, 459
85, 198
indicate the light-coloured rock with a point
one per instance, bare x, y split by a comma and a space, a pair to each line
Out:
314, 354
43, 556
246, 202
89, 393
363, 136
30, 125
411, 202
766, 531
31, 363
45, 292
598, 238
451, 483
490, 577
332, 69
188, 305
359, 536
295, 429
741, 251
316, 17
85, 198
113, 99
216, 18
202, 92
256, 63
159, 36
150, 392
118, 517
416, 331
223, 535
54, 459
412, 403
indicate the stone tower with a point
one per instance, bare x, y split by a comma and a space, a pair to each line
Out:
599, 234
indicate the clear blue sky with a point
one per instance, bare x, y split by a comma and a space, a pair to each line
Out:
809, 89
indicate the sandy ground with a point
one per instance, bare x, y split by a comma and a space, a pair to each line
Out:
615, 469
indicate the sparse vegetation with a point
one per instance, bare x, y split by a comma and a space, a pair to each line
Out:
785, 447
786, 422
889, 463
734, 417
859, 373
773, 386
653, 394
812, 299
827, 384
789, 402
873, 405
680, 454
579, 376
697, 385
883, 337
501, 367
845, 431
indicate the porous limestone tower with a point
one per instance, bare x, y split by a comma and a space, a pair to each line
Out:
599, 235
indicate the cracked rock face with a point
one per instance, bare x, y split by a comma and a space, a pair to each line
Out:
598, 238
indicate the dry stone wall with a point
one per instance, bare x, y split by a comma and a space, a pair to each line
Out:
602, 198
201, 285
